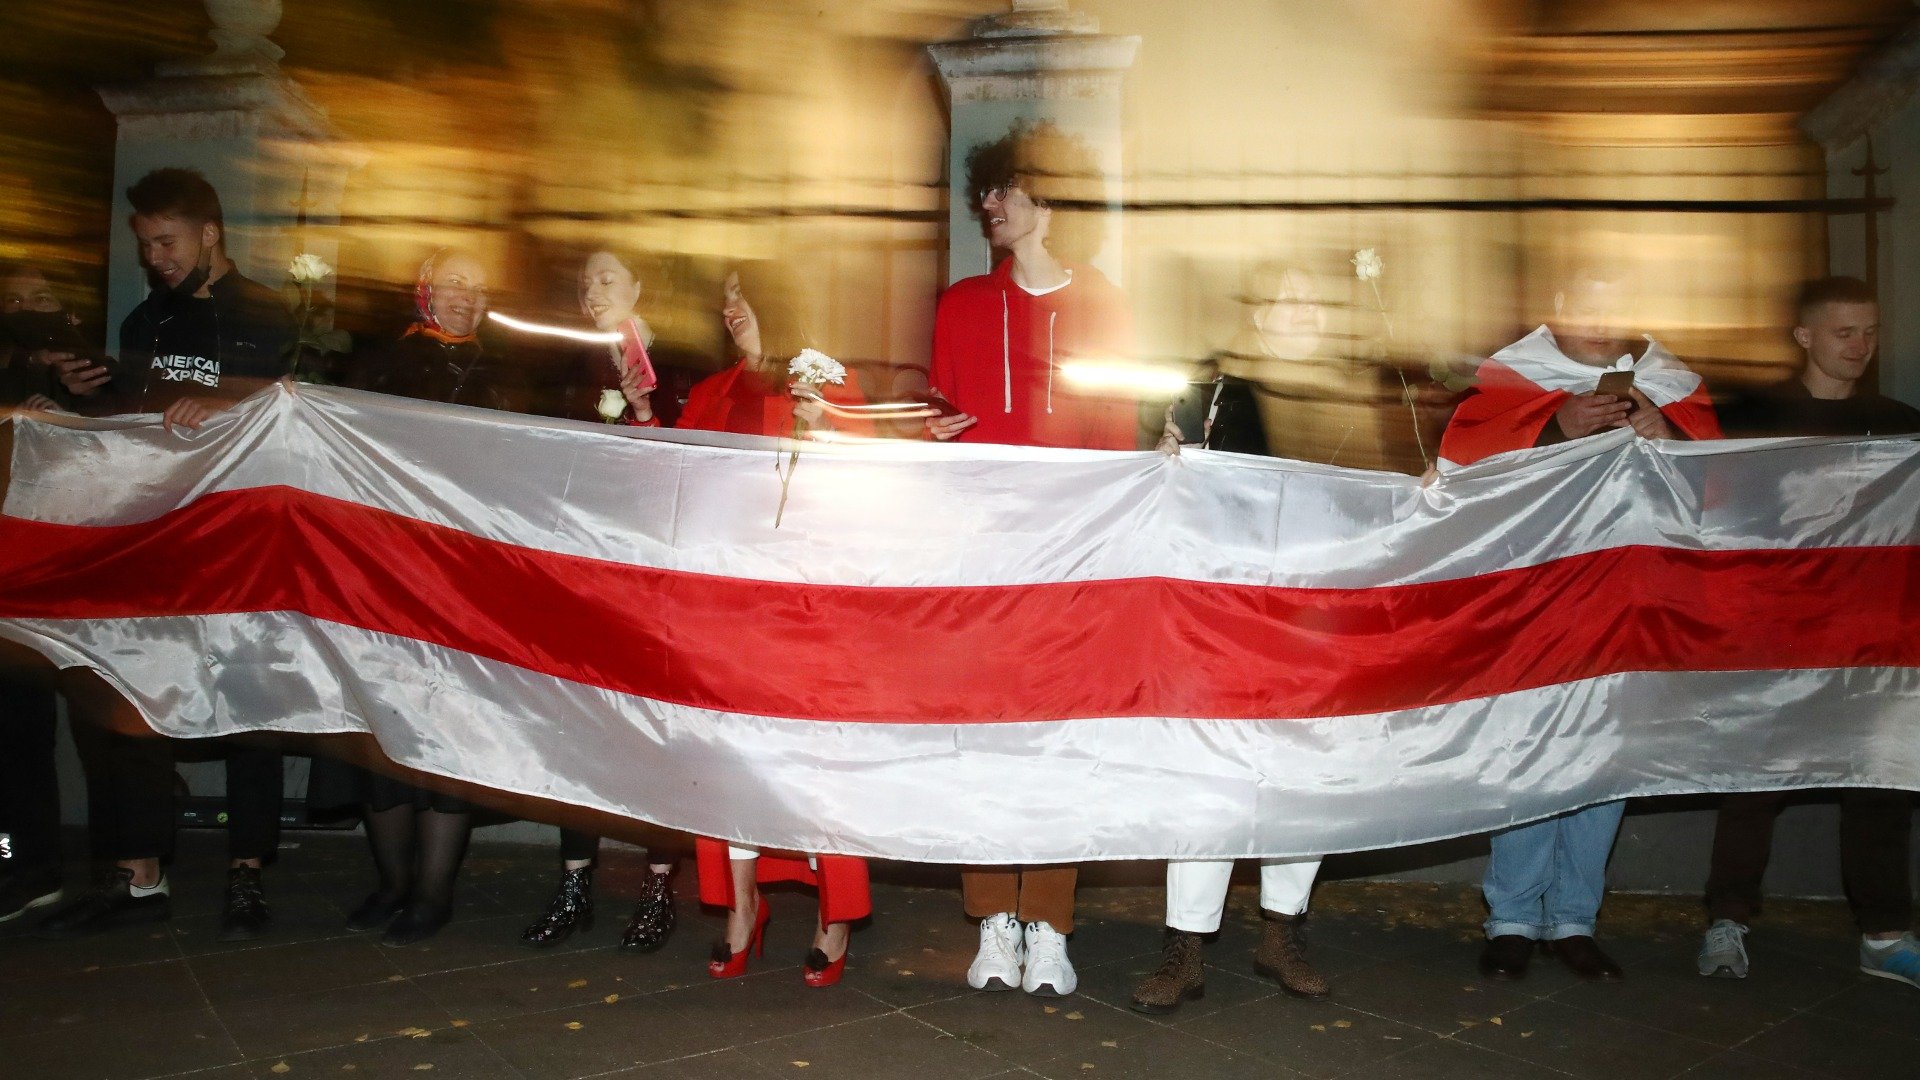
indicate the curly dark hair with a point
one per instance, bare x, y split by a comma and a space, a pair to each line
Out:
1050, 165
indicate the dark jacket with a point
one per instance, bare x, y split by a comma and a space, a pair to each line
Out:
1788, 408
174, 346
419, 366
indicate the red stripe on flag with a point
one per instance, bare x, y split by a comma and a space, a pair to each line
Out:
1135, 647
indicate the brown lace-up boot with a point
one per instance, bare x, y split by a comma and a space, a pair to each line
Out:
1282, 958
1179, 978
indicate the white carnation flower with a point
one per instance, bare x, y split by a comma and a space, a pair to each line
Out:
611, 405
814, 367
308, 268
1367, 265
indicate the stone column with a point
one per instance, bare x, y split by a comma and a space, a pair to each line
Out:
251, 131
1039, 61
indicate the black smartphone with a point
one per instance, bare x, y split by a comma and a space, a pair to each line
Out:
937, 401
1193, 410
1616, 383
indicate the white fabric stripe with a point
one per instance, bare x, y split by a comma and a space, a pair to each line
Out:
915, 514
1008, 793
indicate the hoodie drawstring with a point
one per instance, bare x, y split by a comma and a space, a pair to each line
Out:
1006, 354
1051, 315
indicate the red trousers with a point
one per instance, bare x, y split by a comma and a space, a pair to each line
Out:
841, 879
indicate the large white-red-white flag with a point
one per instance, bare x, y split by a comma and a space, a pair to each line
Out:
987, 654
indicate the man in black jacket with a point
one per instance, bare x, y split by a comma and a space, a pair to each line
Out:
204, 338
1837, 322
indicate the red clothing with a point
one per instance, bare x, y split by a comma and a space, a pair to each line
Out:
842, 879
997, 351
748, 403
1508, 412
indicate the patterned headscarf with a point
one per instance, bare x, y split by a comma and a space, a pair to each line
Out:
424, 321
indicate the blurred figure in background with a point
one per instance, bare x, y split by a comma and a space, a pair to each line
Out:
37, 331
751, 397
610, 290
1837, 326
1545, 880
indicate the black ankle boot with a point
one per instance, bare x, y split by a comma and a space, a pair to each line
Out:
571, 906
653, 919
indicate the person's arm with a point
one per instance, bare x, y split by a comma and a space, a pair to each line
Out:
940, 372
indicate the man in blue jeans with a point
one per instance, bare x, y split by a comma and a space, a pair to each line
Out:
1545, 879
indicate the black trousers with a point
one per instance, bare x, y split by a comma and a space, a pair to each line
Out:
130, 796
29, 787
1875, 828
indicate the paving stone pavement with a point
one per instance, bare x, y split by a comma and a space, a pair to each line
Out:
313, 1000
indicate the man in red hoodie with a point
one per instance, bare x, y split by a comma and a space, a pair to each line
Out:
1019, 352
1545, 879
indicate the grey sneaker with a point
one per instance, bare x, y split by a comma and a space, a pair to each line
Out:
1723, 955
1899, 961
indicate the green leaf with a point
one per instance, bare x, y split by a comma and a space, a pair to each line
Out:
333, 340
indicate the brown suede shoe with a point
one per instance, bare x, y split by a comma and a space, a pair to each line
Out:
1180, 977
1506, 956
1583, 957
1282, 957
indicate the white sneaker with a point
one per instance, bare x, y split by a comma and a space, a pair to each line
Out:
1049, 972
1724, 952
997, 965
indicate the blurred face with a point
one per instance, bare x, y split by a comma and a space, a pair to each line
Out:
1011, 216
459, 294
1591, 322
27, 291
1293, 320
1840, 339
742, 325
170, 247
608, 291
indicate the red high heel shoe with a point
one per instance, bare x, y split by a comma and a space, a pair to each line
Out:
819, 972
727, 964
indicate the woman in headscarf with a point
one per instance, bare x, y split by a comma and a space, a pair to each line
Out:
418, 835
439, 356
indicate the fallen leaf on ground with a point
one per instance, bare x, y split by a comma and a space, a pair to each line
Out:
1322, 1028
574, 1025
1343, 1023
1108, 1042
423, 1066
396, 978
611, 998
359, 1038
281, 1067
461, 1023
576, 984
1495, 1021
414, 1032
1048, 1009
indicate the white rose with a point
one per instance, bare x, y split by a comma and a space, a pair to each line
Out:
308, 268
1367, 265
815, 367
612, 404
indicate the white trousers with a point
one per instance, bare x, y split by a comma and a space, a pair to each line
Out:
748, 854
1197, 890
